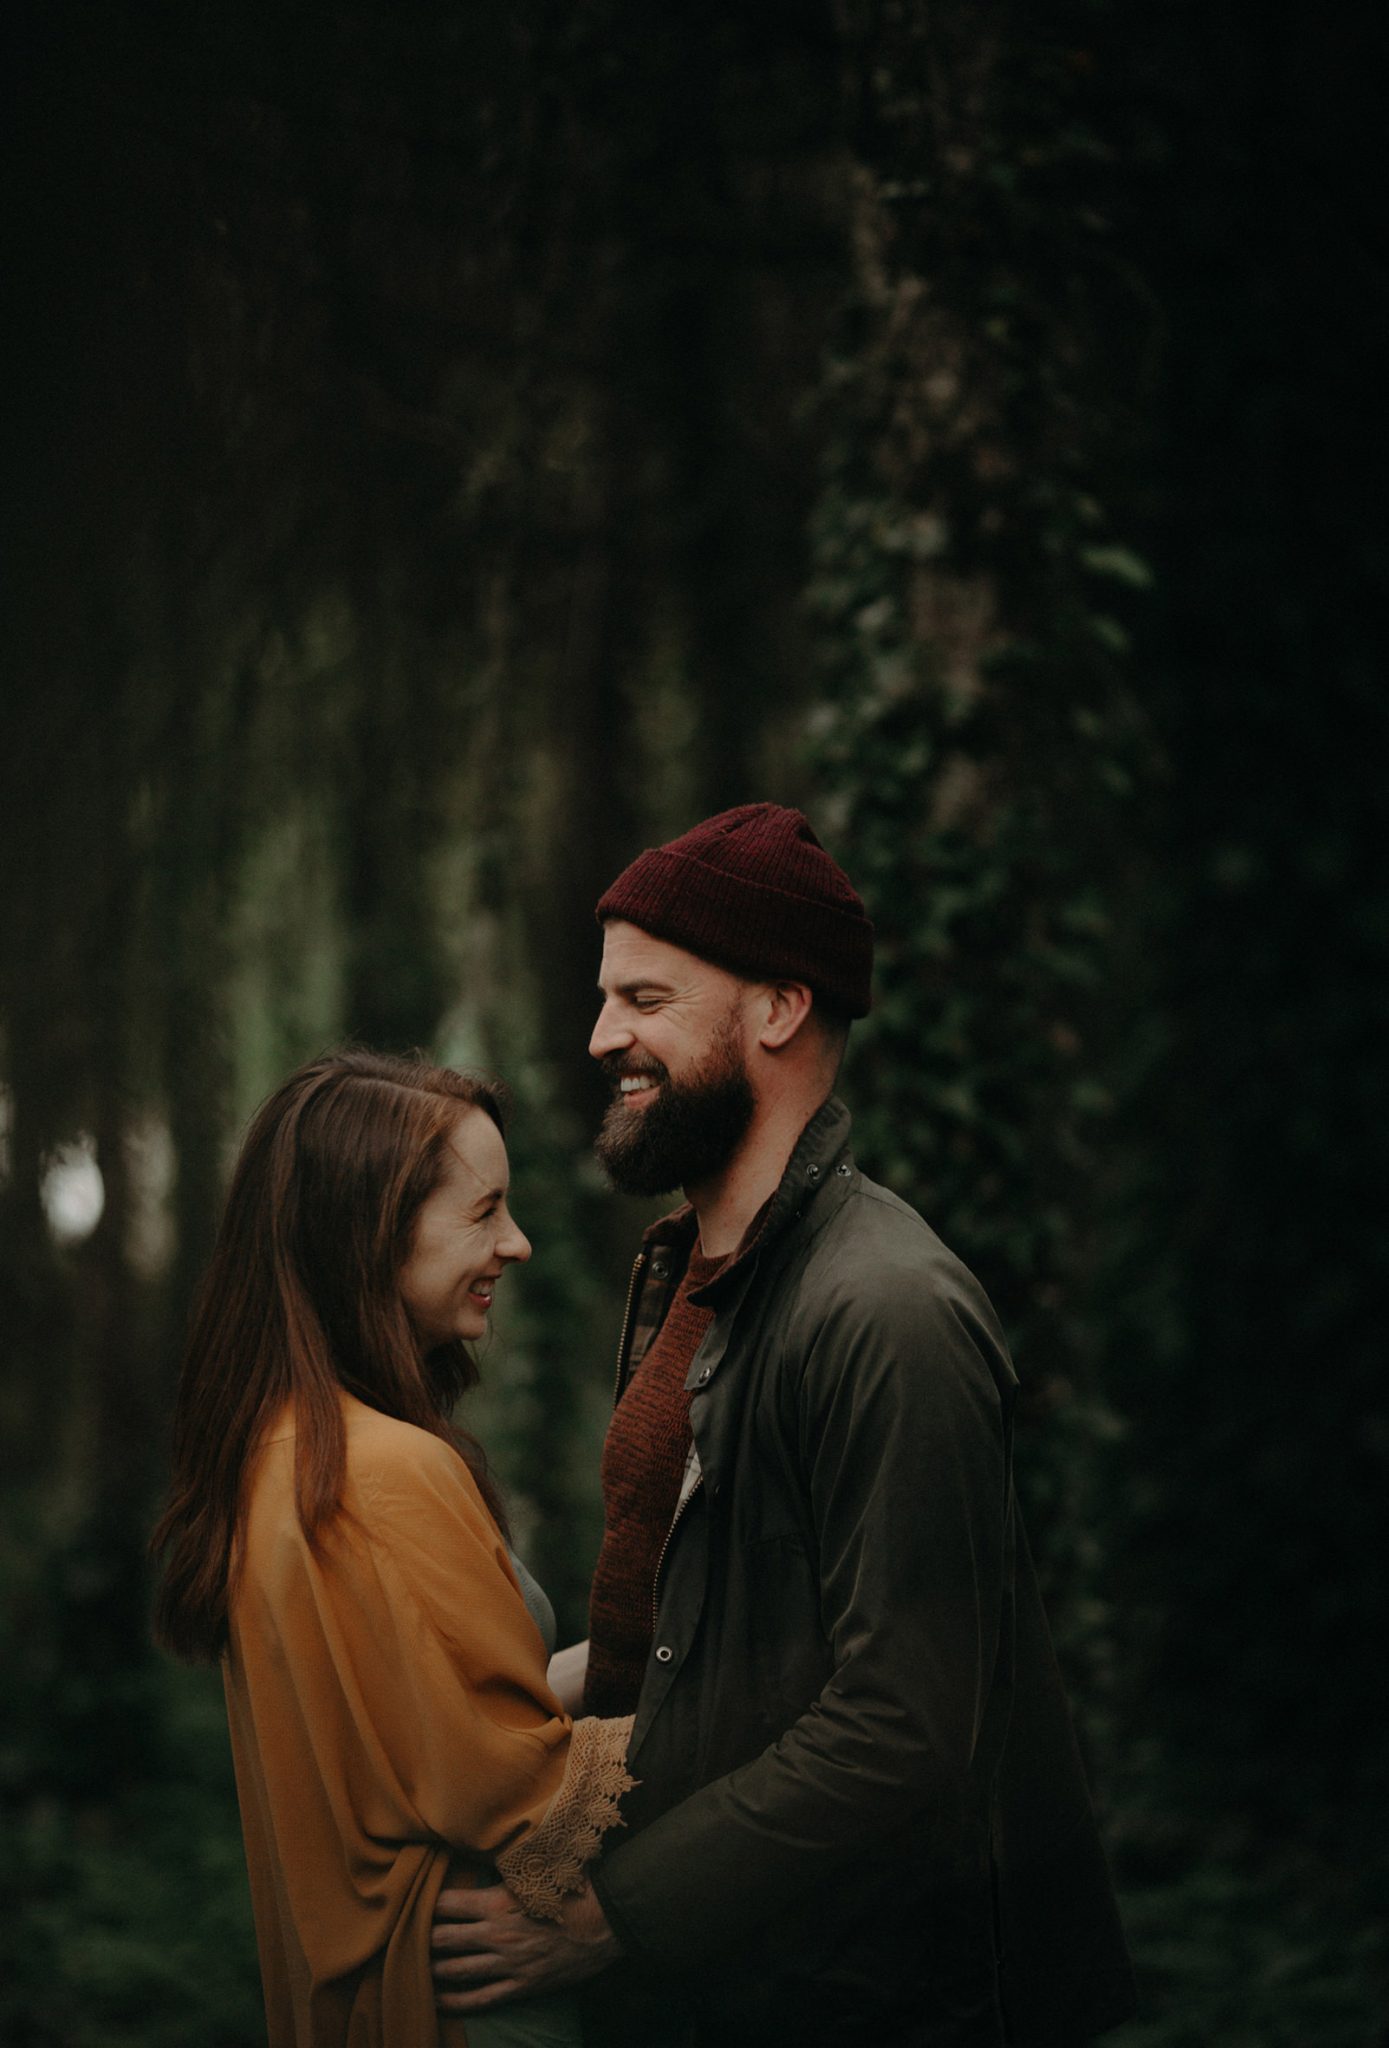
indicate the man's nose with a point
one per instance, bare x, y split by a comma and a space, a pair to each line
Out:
609, 1033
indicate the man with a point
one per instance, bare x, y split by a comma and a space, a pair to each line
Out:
859, 1816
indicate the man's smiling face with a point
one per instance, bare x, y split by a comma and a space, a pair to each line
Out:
670, 1040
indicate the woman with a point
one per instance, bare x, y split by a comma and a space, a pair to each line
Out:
342, 1548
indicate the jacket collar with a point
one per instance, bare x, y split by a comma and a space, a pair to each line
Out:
820, 1157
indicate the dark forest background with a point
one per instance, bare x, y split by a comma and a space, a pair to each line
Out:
453, 447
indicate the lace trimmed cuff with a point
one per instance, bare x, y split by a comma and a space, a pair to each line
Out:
547, 1864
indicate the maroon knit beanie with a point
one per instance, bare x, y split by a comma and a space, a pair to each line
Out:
754, 890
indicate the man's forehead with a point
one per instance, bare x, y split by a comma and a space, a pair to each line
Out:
633, 957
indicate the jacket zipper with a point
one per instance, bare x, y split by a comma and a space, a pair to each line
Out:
637, 1264
660, 1561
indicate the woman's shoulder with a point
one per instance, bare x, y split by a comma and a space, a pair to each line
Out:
389, 1466
394, 1463
377, 1442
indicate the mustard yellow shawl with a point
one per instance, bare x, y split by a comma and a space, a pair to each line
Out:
388, 1705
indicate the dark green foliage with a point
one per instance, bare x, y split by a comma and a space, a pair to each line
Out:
543, 1404
124, 1911
1270, 1957
127, 1920
1276, 954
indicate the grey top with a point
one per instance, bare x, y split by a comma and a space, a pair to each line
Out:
551, 2022
537, 1601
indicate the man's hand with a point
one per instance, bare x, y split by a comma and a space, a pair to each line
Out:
488, 1950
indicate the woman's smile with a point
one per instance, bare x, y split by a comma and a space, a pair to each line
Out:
464, 1238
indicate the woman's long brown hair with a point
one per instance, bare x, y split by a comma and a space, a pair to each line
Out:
302, 1299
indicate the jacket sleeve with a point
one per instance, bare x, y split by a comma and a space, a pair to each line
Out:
422, 1677
900, 1406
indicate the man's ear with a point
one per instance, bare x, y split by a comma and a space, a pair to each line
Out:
785, 1008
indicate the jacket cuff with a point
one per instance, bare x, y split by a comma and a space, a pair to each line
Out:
547, 1864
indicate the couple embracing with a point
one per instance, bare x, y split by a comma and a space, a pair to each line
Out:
812, 1778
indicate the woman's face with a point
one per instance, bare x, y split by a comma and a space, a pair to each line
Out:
464, 1237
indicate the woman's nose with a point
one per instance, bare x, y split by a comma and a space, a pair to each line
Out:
515, 1245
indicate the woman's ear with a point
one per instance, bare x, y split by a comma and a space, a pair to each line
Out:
787, 1005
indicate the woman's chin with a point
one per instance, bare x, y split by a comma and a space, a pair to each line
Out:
464, 1332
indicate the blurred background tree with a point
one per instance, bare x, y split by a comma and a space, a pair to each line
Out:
452, 448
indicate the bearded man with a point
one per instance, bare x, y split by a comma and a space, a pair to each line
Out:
860, 1815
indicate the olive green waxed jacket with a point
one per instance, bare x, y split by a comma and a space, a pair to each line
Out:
860, 1814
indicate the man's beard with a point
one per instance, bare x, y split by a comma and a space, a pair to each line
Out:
687, 1133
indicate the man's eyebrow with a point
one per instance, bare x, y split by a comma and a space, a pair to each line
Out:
647, 983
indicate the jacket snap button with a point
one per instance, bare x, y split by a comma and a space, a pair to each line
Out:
703, 1377
842, 1169
814, 1173
664, 1654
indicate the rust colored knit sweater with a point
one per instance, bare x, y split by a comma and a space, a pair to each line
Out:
644, 1460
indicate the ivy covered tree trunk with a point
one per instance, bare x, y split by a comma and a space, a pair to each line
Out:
981, 756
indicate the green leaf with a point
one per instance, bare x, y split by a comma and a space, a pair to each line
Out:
1120, 564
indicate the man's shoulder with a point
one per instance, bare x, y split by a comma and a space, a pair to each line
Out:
876, 1260
874, 1234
